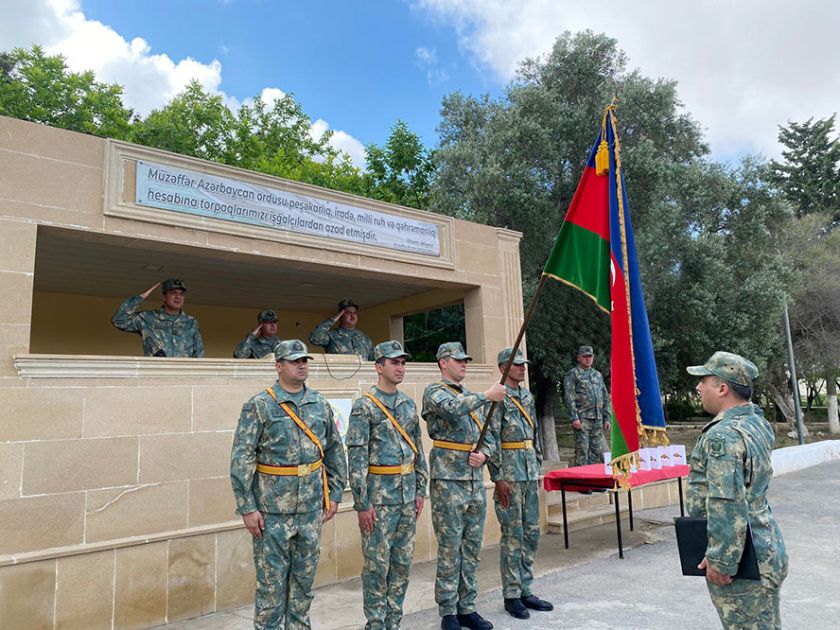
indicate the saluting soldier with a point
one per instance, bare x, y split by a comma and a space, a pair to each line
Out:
459, 502
288, 472
588, 403
388, 478
515, 469
346, 339
166, 331
259, 342
728, 482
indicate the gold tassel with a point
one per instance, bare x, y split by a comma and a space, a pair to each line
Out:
602, 158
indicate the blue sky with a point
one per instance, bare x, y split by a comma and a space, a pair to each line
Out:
356, 67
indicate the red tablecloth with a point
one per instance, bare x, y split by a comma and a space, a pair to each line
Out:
593, 476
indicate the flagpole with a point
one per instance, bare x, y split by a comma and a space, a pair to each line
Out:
509, 363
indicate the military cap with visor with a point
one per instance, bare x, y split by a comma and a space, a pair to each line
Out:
347, 304
453, 350
173, 283
504, 357
291, 350
389, 350
730, 367
267, 316
585, 351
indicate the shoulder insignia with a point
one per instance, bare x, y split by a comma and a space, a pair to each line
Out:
717, 446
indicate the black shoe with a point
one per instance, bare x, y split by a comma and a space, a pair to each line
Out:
515, 608
535, 603
474, 621
585, 491
449, 622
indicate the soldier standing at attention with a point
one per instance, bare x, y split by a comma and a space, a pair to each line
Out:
346, 339
730, 474
588, 404
288, 472
388, 478
259, 342
166, 331
515, 469
459, 501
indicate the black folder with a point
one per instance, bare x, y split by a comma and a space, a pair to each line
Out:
692, 541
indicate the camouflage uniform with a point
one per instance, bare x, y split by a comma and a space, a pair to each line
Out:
163, 335
520, 521
389, 549
342, 340
286, 556
459, 502
587, 400
255, 347
730, 474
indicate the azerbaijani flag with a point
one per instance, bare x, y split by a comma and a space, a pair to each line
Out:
595, 253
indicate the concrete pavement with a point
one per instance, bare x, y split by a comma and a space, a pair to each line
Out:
592, 589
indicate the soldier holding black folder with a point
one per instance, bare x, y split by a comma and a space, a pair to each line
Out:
730, 474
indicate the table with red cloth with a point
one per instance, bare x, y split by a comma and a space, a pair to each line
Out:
594, 477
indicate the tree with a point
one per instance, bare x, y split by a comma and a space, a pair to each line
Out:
705, 234
401, 171
37, 87
809, 174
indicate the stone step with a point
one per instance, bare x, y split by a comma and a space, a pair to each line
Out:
576, 501
578, 519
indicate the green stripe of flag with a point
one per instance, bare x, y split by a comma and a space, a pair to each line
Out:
581, 258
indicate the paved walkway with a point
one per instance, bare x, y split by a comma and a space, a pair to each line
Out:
592, 589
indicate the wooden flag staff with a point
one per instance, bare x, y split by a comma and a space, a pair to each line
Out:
516, 343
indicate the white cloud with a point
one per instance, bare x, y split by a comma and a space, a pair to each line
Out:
743, 67
149, 80
341, 141
427, 60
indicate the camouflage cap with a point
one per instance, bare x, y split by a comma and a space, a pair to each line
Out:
291, 350
585, 351
730, 367
346, 303
452, 350
389, 350
504, 357
267, 316
173, 283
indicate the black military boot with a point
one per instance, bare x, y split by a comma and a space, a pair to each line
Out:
535, 603
449, 622
474, 621
515, 608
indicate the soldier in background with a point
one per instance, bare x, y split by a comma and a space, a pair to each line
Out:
346, 339
166, 331
730, 474
515, 468
259, 342
459, 501
388, 476
588, 404
288, 472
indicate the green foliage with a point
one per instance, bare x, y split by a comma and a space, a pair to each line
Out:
401, 171
809, 173
39, 88
424, 332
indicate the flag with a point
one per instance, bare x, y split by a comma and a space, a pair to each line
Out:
595, 252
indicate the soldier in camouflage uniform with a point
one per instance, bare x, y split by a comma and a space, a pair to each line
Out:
288, 472
588, 404
459, 501
730, 474
259, 342
166, 331
346, 339
388, 478
515, 468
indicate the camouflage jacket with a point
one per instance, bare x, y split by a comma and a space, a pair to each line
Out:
342, 340
446, 410
730, 474
254, 347
510, 425
373, 441
267, 435
173, 336
586, 395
